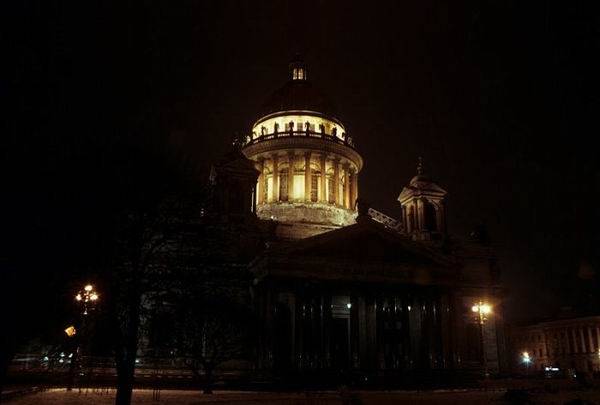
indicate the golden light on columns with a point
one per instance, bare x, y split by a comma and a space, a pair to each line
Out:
323, 168
307, 177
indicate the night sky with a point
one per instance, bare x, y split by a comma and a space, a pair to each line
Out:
499, 97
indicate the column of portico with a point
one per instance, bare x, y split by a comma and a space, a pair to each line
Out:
307, 177
582, 339
260, 189
336, 181
574, 339
292, 161
323, 190
275, 182
591, 347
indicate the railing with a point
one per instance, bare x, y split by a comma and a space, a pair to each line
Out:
385, 219
347, 141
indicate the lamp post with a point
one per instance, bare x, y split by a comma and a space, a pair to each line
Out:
482, 310
526, 360
86, 299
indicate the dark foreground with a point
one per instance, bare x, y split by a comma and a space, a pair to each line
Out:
496, 396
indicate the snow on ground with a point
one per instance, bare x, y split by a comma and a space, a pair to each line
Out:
179, 397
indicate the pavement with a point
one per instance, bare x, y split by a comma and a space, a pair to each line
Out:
106, 396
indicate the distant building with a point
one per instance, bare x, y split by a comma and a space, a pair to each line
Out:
562, 344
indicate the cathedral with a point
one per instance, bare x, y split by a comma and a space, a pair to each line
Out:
341, 286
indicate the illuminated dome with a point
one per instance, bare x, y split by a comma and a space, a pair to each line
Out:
309, 167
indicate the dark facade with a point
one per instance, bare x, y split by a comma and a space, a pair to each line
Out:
367, 298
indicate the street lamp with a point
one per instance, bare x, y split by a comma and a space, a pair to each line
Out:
482, 310
526, 360
87, 298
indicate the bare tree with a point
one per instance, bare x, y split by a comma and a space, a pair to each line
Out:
145, 233
211, 332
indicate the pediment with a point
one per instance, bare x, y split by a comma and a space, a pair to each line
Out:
365, 242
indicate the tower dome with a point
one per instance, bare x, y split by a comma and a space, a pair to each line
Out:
308, 165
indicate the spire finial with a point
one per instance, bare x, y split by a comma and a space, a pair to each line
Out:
420, 166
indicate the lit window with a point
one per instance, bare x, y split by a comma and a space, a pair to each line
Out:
298, 74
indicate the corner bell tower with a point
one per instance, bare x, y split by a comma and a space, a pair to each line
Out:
423, 207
